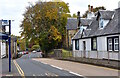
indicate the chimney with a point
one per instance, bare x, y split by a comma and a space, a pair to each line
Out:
89, 8
78, 18
119, 4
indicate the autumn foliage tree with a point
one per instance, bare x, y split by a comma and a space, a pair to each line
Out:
44, 24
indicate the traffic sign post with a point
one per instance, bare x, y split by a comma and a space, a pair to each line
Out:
9, 45
8, 23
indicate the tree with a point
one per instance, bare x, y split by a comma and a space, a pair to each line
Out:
35, 47
94, 10
44, 24
22, 45
74, 15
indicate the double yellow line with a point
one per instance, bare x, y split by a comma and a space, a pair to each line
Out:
19, 69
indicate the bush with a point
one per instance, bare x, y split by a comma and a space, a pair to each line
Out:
35, 47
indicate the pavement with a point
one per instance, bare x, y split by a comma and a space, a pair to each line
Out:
80, 68
4, 68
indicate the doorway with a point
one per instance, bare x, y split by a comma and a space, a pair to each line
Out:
84, 49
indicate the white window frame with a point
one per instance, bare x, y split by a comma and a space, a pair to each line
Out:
110, 44
116, 44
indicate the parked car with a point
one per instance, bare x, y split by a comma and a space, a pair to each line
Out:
34, 51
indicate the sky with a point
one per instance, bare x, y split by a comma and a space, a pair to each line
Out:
13, 9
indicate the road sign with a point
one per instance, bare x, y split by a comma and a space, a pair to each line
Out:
5, 22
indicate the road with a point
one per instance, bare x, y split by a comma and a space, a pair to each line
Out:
28, 67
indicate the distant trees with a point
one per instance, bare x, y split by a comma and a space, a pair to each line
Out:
35, 47
74, 15
44, 24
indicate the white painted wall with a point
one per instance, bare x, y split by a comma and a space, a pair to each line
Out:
3, 50
88, 44
101, 48
73, 45
102, 43
90, 15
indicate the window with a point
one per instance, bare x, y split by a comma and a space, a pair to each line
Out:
116, 44
113, 44
76, 44
110, 44
101, 24
94, 43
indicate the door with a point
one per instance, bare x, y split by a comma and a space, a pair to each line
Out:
84, 49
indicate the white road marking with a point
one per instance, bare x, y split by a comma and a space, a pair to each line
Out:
44, 63
9, 75
56, 67
47, 74
75, 73
33, 74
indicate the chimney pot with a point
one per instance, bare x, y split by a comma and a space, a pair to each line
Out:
91, 8
78, 18
78, 13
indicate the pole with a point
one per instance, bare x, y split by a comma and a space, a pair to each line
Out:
9, 45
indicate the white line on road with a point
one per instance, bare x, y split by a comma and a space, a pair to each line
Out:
56, 67
75, 73
33, 74
43, 63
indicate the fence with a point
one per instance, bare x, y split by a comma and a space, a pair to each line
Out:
103, 58
97, 54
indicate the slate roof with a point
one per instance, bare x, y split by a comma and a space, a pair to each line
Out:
77, 35
71, 24
113, 27
85, 22
106, 14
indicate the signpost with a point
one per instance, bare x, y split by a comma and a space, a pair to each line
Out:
9, 45
8, 23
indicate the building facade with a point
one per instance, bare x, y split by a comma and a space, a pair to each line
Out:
101, 38
71, 29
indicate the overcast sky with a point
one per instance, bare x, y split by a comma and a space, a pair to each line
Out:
13, 9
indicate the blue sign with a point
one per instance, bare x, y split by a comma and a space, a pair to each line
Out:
5, 22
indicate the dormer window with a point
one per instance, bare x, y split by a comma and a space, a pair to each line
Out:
103, 23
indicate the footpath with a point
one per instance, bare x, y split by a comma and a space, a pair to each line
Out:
4, 68
80, 68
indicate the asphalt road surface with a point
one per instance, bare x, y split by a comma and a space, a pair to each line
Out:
28, 67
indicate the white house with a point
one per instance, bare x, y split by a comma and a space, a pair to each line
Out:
101, 38
3, 38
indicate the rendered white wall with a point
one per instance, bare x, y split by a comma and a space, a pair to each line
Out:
101, 43
90, 15
3, 50
88, 44
73, 45
101, 48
